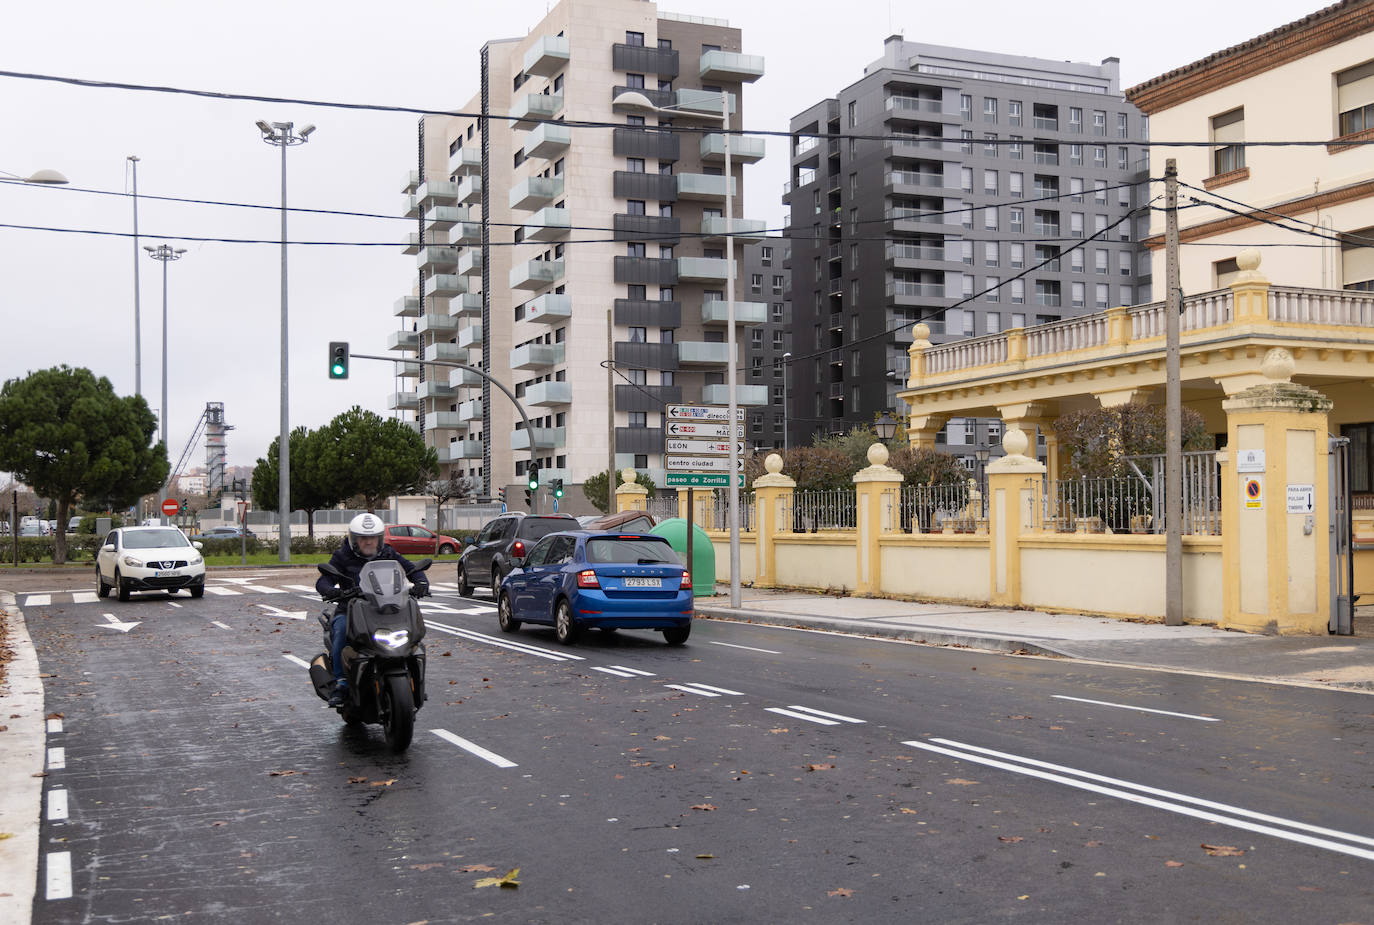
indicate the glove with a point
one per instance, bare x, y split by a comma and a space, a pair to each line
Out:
419, 590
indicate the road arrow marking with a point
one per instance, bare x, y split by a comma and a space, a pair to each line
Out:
285, 614
113, 623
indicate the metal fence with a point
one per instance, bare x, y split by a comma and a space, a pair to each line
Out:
935, 508
811, 511
1135, 503
662, 507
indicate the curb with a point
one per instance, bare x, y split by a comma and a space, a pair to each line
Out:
21, 761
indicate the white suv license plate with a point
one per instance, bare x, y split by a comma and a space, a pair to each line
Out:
643, 582
166, 574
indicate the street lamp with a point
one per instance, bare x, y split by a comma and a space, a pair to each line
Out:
282, 135
886, 427
45, 177
634, 100
981, 453
165, 254
138, 324
786, 379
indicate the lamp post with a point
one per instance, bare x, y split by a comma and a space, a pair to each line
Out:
981, 453
885, 427
786, 379
45, 177
164, 254
283, 135
138, 324
642, 102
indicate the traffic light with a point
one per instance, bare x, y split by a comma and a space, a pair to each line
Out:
529, 498
534, 478
501, 494
338, 359
556, 486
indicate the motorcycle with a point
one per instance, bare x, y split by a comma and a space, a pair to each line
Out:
383, 655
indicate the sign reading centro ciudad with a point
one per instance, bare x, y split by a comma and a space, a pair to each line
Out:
696, 449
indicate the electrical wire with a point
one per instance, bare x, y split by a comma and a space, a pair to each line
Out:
1345, 237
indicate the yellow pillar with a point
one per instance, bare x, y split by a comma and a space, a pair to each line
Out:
630, 496
1014, 485
773, 495
1274, 555
877, 490
922, 429
1249, 290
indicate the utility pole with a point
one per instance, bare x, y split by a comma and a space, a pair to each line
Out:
610, 412
1173, 408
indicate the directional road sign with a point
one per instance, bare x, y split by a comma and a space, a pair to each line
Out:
701, 463
708, 447
697, 480
720, 431
703, 412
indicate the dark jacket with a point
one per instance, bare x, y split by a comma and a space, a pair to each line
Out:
347, 560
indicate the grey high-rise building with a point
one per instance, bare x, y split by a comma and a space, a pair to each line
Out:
764, 280
951, 189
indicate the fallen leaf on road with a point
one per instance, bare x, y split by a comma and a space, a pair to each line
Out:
508, 882
1024, 897
55, 716
1092, 844
357, 780
1173, 863
662, 739
1310, 889
5, 835
961, 782
842, 891
909, 812
281, 773
1223, 851
476, 869
820, 767
706, 857
776, 731
704, 807
1010, 838
1019, 716
382, 783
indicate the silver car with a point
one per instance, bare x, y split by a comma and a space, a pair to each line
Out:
148, 559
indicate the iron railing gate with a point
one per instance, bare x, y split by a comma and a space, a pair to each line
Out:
1342, 621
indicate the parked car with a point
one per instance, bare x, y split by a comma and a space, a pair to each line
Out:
33, 528
502, 542
220, 533
574, 580
414, 539
148, 559
73, 524
623, 522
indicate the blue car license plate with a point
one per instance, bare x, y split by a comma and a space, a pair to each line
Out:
643, 582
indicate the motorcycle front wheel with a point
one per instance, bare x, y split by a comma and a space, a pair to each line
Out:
399, 720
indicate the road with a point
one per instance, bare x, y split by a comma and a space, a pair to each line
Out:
757, 774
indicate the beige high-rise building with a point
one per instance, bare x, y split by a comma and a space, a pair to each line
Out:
570, 233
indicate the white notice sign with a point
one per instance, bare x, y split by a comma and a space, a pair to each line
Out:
1249, 460
1300, 499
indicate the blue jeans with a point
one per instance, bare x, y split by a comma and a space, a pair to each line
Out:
338, 632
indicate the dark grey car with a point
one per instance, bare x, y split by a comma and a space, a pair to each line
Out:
501, 544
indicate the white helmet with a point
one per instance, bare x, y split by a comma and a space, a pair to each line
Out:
365, 525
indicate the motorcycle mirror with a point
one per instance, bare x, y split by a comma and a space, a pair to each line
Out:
327, 569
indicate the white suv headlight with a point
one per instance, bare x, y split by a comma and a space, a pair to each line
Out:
131, 562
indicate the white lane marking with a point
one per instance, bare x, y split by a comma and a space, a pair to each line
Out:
687, 689
221, 592
308, 589
57, 805
1127, 706
618, 674
37, 600
299, 661
493, 641
718, 690
284, 614
810, 719
57, 758
474, 749
84, 597
59, 865
223, 626
443, 586
174, 604
642, 674
835, 716
1168, 794
263, 589
54, 725
114, 623
731, 645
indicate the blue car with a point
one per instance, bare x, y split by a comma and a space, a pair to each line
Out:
572, 580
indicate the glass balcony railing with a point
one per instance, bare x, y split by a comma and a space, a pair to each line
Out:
403, 401
746, 230
536, 274
468, 305
548, 224
437, 324
407, 306
536, 356
546, 394
445, 286
704, 186
465, 162
470, 263
533, 192
742, 148
444, 420
716, 311
451, 352
532, 107
470, 410
442, 218
550, 308
731, 65
470, 336
436, 258
547, 140
436, 192
545, 438
549, 55
746, 396
470, 189
703, 353
701, 269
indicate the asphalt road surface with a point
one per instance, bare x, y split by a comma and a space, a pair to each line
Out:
756, 774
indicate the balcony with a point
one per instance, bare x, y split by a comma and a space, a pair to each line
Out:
469, 305
444, 420
545, 438
731, 66
451, 352
465, 162
907, 107
466, 233
403, 401
470, 189
665, 229
701, 102
548, 394
547, 56
411, 181
746, 230
626, 184
433, 259
470, 410
533, 192
442, 218
403, 340
412, 245
460, 451
532, 108
436, 193
648, 313
464, 379
435, 388
746, 396
912, 182
639, 440
703, 353
548, 224
536, 274
470, 263
537, 356
714, 311
470, 336
407, 306
646, 397
406, 369
550, 308
921, 221
547, 140
743, 149
912, 292
412, 206
702, 269
642, 355
644, 142
901, 254
644, 59
703, 186
445, 286
441, 325
652, 271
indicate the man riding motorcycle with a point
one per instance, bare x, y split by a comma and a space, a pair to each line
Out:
363, 544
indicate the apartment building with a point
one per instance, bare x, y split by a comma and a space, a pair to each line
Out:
549, 248
764, 279
950, 186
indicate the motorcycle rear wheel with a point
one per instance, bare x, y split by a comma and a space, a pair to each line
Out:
399, 720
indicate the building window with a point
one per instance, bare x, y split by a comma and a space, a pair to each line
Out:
989, 109
966, 179
634, 249
1016, 151
1100, 192
967, 248
634, 164
1076, 224
990, 218
1077, 291
1018, 255
1355, 99
1076, 155
966, 140
1099, 122
766, 256
1100, 262
992, 288
989, 144
1017, 218
1016, 183
637, 376
1014, 112
1075, 119
634, 81
639, 335
990, 253
1076, 189
1228, 135
992, 322
634, 207
1047, 154
1076, 260
1121, 125
1100, 156
853, 114
1018, 292
966, 107
634, 38
1357, 260
1123, 263
1102, 295
990, 182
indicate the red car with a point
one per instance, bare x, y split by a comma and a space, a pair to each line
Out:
413, 539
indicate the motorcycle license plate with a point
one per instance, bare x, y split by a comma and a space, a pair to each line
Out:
643, 582
167, 574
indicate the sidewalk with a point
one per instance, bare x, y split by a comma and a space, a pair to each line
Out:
1345, 662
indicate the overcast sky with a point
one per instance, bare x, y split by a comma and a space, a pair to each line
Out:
68, 298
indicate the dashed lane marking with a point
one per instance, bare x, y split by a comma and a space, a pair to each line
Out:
223, 626
1127, 706
174, 604
635, 671
57, 805
84, 597
731, 645
54, 726
59, 875
705, 690
299, 661
505, 644
612, 671
57, 758
37, 600
308, 589
220, 590
474, 749
809, 714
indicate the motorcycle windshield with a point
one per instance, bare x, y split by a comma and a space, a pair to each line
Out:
383, 585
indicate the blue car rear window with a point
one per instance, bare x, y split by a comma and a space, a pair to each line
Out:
640, 551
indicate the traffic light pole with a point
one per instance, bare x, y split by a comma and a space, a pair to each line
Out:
529, 428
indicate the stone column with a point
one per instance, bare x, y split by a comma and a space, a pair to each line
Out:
773, 495
1014, 484
1276, 564
876, 492
631, 496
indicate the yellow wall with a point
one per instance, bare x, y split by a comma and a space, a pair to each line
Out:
951, 568
817, 560
748, 559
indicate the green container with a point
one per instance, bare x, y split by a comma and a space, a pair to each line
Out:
674, 530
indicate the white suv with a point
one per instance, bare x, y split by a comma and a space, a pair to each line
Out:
148, 559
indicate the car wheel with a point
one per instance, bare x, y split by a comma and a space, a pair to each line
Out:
198, 590
505, 617
677, 635
121, 586
446, 550
564, 629
464, 587
495, 582
101, 589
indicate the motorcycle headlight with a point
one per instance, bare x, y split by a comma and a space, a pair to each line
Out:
392, 640
131, 562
